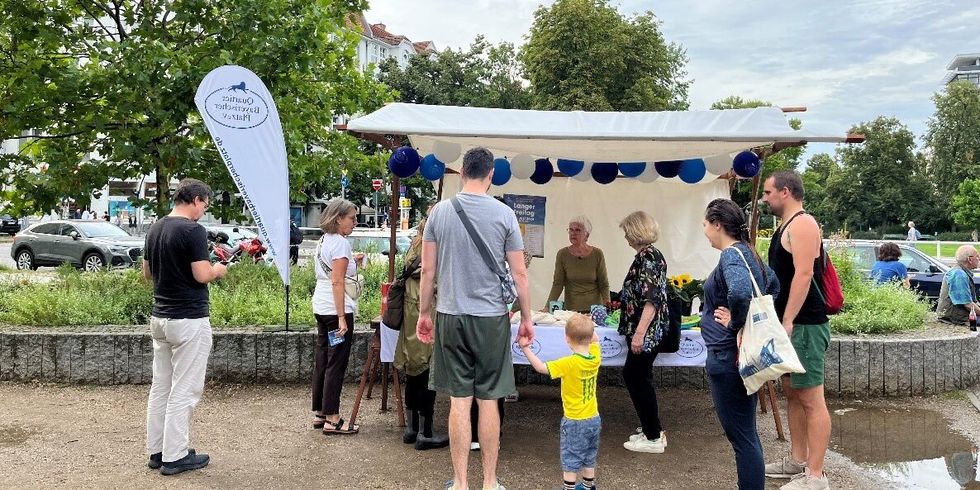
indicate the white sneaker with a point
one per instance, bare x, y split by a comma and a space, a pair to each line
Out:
785, 468
639, 434
805, 481
474, 446
644, 445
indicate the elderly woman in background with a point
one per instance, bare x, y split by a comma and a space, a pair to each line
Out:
643, 321
958, 294
888, 268
412, 358
334, 309
580, 270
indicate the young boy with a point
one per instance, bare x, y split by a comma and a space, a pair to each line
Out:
580, 427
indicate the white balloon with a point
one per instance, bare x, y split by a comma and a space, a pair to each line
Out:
649, 174
718, 164
522, 166
585, 175
445, 151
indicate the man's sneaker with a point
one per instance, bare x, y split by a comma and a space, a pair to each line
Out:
156, 460
644, 445
192, 461
639, 434
511, 398
784, 468
805, 481
474, 446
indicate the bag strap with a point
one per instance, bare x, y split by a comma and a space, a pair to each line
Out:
323, 263
755, 285
783, 226
410, 268
477, 240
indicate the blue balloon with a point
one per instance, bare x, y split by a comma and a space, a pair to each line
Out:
570, 168
632, 169
692, 171
746, 164
604, 173
668, 169
543, 171
501, 171
404, 161
431, 168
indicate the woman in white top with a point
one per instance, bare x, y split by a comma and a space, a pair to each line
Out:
334, 310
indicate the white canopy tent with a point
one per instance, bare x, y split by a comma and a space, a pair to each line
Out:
601, 137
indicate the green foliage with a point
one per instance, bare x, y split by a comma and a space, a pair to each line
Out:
955, 236
585, 55
874, 309
250, 295
966, 204
736, 102
109, 91
953, 139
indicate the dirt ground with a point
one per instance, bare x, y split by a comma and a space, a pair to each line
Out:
259, 437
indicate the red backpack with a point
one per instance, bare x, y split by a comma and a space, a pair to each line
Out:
828, 286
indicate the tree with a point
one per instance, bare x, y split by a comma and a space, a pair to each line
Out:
584, 55
880, 182
485, 75
966, 205
820, 169
953, 139
106, 89
736, 102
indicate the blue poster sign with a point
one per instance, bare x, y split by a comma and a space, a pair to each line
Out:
530, 211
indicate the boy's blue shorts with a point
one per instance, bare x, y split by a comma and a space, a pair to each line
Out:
579, 443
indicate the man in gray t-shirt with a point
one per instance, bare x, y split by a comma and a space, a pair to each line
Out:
472, 355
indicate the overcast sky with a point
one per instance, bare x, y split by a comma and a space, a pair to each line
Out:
846, 61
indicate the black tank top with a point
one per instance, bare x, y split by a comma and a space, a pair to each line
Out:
781, 260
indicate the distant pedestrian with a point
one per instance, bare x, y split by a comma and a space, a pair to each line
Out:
914, 234
85, 215
177, 261
105, 216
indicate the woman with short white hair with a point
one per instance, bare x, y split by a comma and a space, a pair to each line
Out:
580, 270
958, 293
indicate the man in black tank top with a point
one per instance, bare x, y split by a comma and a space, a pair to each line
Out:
794, 254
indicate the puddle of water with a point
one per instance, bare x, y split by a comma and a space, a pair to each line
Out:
911, 448
12, 435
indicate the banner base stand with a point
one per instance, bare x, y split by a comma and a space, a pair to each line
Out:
282, 328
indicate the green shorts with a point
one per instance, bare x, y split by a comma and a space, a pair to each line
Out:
471, 357
810, 342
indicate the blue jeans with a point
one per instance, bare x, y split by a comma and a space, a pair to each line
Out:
579, 443
736, 412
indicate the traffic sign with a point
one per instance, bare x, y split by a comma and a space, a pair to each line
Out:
344, 182
406, 203
376, 184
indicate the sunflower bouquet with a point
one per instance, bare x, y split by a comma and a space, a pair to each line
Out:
685, 288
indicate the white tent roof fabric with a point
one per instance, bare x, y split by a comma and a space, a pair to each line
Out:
588, 136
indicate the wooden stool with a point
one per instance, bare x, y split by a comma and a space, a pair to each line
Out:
769, 391
372, 367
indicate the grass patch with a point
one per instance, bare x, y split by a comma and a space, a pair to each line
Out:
251, 294
948, 250
875, 309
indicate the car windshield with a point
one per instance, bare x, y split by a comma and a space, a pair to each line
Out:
99, 229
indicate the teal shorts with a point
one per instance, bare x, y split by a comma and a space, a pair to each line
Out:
810, 342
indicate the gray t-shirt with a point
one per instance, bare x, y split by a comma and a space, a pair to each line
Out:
466, 285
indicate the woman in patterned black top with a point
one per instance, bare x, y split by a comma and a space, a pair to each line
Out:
643, 322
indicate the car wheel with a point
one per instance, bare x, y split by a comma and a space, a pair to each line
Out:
93, 262
25, 260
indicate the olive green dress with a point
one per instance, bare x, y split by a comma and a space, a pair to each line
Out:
411, 355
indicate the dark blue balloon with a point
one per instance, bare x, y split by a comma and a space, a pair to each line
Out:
501, 171
692, 171
570, 168
604, 173
746, 164
543, 171
632, 169
404, 161
431, 168
668, 169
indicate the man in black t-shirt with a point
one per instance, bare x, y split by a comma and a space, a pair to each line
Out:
176, 259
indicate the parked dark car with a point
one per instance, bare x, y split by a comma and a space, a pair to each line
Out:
925, 272
88, 245
9, 224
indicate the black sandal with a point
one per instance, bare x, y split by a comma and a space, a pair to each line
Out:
318, 421
337, 428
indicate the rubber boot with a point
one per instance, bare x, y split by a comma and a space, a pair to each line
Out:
411, 426
427, 439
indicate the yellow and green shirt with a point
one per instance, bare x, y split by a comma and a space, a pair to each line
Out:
578, 375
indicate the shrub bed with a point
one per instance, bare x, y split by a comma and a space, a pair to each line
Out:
875, 309
249, 295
